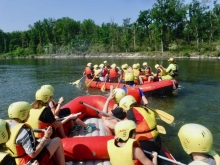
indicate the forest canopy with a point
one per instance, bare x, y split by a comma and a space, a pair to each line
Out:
169, 26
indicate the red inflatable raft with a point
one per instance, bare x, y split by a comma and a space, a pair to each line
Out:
84, 146
158, 87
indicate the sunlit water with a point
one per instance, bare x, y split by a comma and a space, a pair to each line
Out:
197, 99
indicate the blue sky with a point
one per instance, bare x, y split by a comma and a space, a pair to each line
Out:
18, 14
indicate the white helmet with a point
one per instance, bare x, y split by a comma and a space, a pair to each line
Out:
145, 64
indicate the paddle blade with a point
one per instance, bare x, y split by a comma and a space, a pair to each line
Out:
161, 129
87, 84
103, 88
76, 82
165, 116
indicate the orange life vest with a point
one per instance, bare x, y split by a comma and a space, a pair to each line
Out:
88, 70
113, 73
146, 129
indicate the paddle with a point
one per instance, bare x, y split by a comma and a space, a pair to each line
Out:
103, 86
87, 84
160, 128
164, 158
75, 114
99, 110
166, 117
77, 81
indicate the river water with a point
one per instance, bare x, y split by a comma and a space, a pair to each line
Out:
196, 100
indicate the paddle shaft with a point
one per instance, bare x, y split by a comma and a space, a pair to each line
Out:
76, 114
164, 158
99, 110
77, 81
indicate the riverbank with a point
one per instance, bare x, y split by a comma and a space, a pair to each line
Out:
116, 55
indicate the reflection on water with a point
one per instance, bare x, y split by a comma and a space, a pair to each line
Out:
197, 99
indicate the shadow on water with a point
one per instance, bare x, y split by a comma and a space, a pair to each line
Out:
196, 100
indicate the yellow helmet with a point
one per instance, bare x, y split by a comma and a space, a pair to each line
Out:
89, 64
3, 132
126, 65
134, 66
129, 77
138, 65
126, 102
119, 94
123, 128
157, 66
144, 64
123, 66
171, 59
95, 66
113, 65
19, 110
195, 138
50, 87
101, 65
43, 95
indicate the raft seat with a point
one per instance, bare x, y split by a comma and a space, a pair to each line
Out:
100, 131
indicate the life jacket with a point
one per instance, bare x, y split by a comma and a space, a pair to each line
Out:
174, 73
124, 71
148, 71
134, 91
104, 72
15, 150
160, 73
97, 73
88, 70
136, 74
34, 121
142, 71
113, 73
210, 153
122, 155
146, 129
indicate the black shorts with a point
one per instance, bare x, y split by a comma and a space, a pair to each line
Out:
64, 112
8, 160
151, 145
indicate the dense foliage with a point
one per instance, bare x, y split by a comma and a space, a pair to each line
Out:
170, 26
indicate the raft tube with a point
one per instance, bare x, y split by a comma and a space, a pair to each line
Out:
164, 86
91, 146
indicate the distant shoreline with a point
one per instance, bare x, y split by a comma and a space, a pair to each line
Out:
106, 55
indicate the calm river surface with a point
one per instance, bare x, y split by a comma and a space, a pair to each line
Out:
197, 100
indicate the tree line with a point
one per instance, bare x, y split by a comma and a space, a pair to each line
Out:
169, 26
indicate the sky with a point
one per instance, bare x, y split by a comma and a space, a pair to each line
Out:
16, 15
